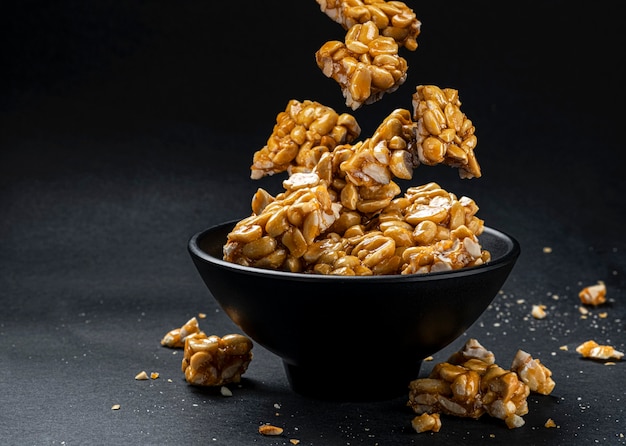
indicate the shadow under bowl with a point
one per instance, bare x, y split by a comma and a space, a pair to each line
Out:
352, 338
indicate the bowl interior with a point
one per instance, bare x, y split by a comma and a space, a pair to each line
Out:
337, 334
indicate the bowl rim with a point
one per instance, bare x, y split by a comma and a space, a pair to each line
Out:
510, 255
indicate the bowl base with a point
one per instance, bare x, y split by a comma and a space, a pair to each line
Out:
350, 387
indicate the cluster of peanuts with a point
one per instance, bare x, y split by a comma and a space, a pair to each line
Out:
303, 132
366, 65
393, 18
210, 360
444, 134
342, 212
470, 384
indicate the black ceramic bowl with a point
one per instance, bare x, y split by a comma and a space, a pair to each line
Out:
352, 338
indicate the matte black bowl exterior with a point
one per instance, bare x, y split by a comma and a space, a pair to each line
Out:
351, 338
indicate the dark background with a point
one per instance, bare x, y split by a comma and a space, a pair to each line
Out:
125, 127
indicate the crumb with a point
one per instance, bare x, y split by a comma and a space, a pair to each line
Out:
426, 422
593, 295
539, 311
268, 429
141, 376
115, 407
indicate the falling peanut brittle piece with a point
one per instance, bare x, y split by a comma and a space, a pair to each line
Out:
394, 18
303, 132
444, 133
366, 66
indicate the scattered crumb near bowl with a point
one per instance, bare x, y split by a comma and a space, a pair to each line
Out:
593, 295
539, 311
270, 430
550, 423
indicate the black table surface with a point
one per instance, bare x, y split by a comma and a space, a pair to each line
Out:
126, 127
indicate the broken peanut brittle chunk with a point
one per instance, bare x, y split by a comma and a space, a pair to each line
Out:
591, 349
593, 295
393, 18
444, 133
471, 384
214, 361
366, 65
270, 430
426, 422
302, 133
